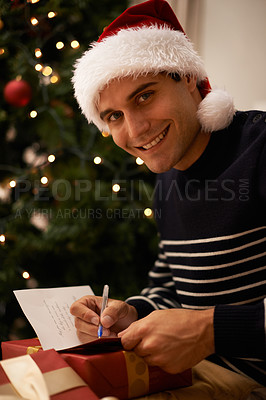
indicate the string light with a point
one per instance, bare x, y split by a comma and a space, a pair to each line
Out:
2, 51
25, 275
38, 53
2, 238
54, 79
33, 114
116, 188
74, 44
12, 183
44, 180
51, 14
60, 45
47, 71
148, 212
139, 161
97, 160
34, 21
51, 158
38, 67
33, 1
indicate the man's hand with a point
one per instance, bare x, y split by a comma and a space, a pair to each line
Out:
174, 339
117, 316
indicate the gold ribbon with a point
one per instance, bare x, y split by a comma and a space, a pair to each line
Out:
27, 381
138, 375
33, 349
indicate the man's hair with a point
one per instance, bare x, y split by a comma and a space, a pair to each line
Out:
175, 76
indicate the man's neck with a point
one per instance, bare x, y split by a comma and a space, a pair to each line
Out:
197, 149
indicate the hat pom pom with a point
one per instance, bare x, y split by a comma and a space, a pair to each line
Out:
216, 111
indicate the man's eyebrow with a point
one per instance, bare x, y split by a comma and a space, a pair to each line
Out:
130, 96
140, 88
105, 112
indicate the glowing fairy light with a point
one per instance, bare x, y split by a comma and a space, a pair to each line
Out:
38, 67
74, 44
12, 183
44, 180
38, 53
33, 114
139, 161
51, 158
116, 188
2, 238
47, 71
51, 14
60, 45
34, 21
25, 275
54, 79
97, 160
148, 212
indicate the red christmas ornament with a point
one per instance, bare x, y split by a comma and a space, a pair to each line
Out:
17, 93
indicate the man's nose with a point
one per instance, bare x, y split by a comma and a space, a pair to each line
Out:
137, 124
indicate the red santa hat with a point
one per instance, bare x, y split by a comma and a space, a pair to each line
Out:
146, 38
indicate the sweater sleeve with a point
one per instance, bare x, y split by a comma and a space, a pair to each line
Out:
161, 293
239, 330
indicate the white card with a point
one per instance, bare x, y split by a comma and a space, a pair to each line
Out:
48, 312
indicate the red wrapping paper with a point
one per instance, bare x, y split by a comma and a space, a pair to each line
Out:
115, 373
107, 375
48, 361
15, 348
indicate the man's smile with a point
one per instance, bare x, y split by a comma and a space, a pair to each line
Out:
155, 141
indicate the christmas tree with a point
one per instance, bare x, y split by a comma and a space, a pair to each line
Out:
74, 208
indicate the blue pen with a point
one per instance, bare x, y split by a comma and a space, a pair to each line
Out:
104, 304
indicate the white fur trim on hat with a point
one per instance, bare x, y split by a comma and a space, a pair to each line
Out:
139, 51
216, 111
132, 52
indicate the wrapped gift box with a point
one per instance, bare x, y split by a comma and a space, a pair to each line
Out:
43, 375
15, 348
115, 373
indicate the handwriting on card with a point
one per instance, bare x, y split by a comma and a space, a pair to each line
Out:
48, 311
60, 316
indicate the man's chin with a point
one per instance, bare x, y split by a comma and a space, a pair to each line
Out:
158, 169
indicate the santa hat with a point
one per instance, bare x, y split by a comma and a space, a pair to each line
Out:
146, 38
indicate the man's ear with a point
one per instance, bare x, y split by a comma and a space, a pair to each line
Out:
191, 82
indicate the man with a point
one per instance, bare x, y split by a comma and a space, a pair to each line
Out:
143, 82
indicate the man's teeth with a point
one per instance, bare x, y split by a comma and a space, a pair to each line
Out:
155, 141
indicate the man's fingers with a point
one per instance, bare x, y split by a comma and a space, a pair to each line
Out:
85, 327
117, 312
107, 321
129, 343
89, 331
117, 316
84, 313
131, 337
87, 309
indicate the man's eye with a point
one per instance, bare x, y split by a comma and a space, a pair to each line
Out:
143, 97
114, 116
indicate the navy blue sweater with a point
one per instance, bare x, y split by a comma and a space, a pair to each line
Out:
212, 251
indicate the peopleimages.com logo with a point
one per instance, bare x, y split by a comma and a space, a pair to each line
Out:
136, 190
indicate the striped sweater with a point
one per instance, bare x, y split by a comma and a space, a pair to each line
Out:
212, 250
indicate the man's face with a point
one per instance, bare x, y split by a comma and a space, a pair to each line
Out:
154, 118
